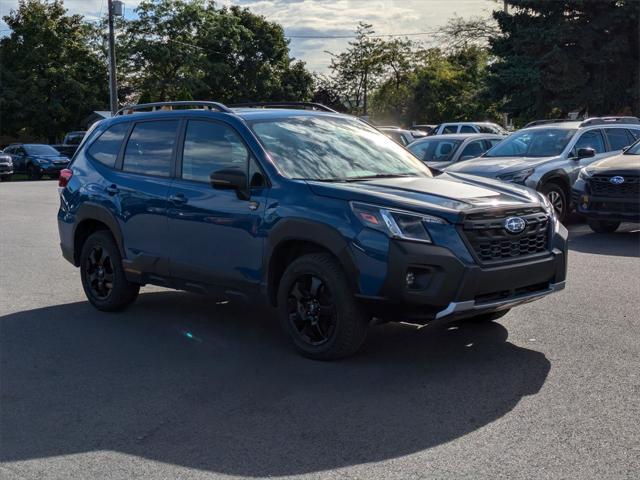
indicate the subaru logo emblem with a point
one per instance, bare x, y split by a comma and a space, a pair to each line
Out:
617, 180
514, 225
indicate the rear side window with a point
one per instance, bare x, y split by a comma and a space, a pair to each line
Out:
450, 129
467, 129
635, 134
106, 148
618, 138
209, 147
150, 148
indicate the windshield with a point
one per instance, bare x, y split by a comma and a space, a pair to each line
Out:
435, 150
40, 150
538, 142
333, 149
633, 149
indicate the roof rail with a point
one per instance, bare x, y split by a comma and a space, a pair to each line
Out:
609, 120
170, 105
304, 105
547, 121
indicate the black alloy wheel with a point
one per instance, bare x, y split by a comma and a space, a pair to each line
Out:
312, 311
99, 271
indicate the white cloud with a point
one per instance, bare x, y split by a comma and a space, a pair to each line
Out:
326, 17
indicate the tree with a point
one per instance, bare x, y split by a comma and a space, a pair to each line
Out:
52, 75
570, 55
356, 71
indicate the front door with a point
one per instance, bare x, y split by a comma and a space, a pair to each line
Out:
216, 236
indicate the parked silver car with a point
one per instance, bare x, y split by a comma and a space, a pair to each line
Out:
549, 156
402, 136
441, 151
468, 127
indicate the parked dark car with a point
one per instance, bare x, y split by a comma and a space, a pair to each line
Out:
36, 160
6, 167
607, 192
70, 143
313, 212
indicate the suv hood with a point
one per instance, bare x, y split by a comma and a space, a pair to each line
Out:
492, 166
448, 193
617, 162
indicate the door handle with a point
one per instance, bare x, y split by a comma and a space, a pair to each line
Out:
253, 205
112, 189
178, 199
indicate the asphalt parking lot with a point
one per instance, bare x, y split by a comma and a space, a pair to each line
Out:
178, 387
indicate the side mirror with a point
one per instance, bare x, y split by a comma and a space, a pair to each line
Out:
586, 153
231, 179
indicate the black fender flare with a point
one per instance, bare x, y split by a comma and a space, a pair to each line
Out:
95, 211
304, 230
556, 175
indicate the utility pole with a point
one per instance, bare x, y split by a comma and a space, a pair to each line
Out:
505, 116
115, 8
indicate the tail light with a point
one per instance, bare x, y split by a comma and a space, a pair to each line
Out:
65, 176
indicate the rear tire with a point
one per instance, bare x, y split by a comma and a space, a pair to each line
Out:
103, 278
318, 310
603, 226
33, 174
558, 198
6, 178
489, 317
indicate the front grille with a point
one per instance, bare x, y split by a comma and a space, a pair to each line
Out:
615, 206
490, 242
601, 186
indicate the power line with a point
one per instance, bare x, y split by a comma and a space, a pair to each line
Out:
354, 35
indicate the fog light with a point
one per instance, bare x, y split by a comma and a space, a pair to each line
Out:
410, 279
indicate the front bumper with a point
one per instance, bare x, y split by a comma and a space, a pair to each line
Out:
447, 287
52, 169
625, 209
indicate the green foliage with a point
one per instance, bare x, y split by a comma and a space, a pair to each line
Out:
570, 55
52, 76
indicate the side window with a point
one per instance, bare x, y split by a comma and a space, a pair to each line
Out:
618, 138
591, 139
106, 148
492, 142
150, 148
209, 147
450, 129
635, 134
473, 149
467, 129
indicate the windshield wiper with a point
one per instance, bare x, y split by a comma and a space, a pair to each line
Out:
379, 175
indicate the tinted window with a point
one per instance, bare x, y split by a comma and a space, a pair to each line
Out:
105, 149
436, 150
473, 149
591, 139
209, 147
150, 147
618, 138
467, 129
450, 129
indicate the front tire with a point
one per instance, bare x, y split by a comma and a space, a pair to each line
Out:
103, 278
558, 198
318, 310
603, 226
33, 173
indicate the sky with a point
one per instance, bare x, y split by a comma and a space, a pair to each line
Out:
322, 18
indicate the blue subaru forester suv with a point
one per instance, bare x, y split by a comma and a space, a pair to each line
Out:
313, 212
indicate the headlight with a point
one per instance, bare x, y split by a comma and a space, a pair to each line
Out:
585, 173
42, 161
516, 177
546, 204
395, 223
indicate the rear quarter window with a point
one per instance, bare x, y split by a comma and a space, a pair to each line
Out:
106, 148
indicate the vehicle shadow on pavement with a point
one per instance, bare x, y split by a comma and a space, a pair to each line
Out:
623, 243
179, 380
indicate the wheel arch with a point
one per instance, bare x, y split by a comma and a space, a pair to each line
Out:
90, 218
556, 176
293, 238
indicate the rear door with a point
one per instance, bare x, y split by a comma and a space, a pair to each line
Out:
140, 187
215, 235
618, 138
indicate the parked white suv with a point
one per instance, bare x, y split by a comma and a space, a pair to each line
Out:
469, 127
